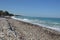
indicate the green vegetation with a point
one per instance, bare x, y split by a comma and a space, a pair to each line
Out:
5, 13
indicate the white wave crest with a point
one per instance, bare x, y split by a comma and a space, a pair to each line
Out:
40, 23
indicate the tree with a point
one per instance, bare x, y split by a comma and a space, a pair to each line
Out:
1, 12
5, 13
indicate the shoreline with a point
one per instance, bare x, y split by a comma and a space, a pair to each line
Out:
44, 28
26, 27
27, 31
52, 28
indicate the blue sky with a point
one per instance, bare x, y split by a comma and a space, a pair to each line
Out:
39, 8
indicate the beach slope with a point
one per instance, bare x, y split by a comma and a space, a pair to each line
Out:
11, 29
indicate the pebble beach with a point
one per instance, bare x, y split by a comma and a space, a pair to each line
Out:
11, 29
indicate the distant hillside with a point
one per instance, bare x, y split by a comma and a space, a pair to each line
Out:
5, 13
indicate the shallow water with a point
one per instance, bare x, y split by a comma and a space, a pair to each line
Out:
53, 23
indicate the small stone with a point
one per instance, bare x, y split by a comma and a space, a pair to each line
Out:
2, 34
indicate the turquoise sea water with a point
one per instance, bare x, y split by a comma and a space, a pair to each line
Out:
53, 23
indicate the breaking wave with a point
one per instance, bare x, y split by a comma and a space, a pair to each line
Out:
43, 23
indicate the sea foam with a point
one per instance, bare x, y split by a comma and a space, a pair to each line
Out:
37, 22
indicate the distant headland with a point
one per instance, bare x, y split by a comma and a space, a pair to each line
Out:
5, 13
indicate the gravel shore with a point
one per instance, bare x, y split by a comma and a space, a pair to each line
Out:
11, 29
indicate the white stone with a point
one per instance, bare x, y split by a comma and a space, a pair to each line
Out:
2, 34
